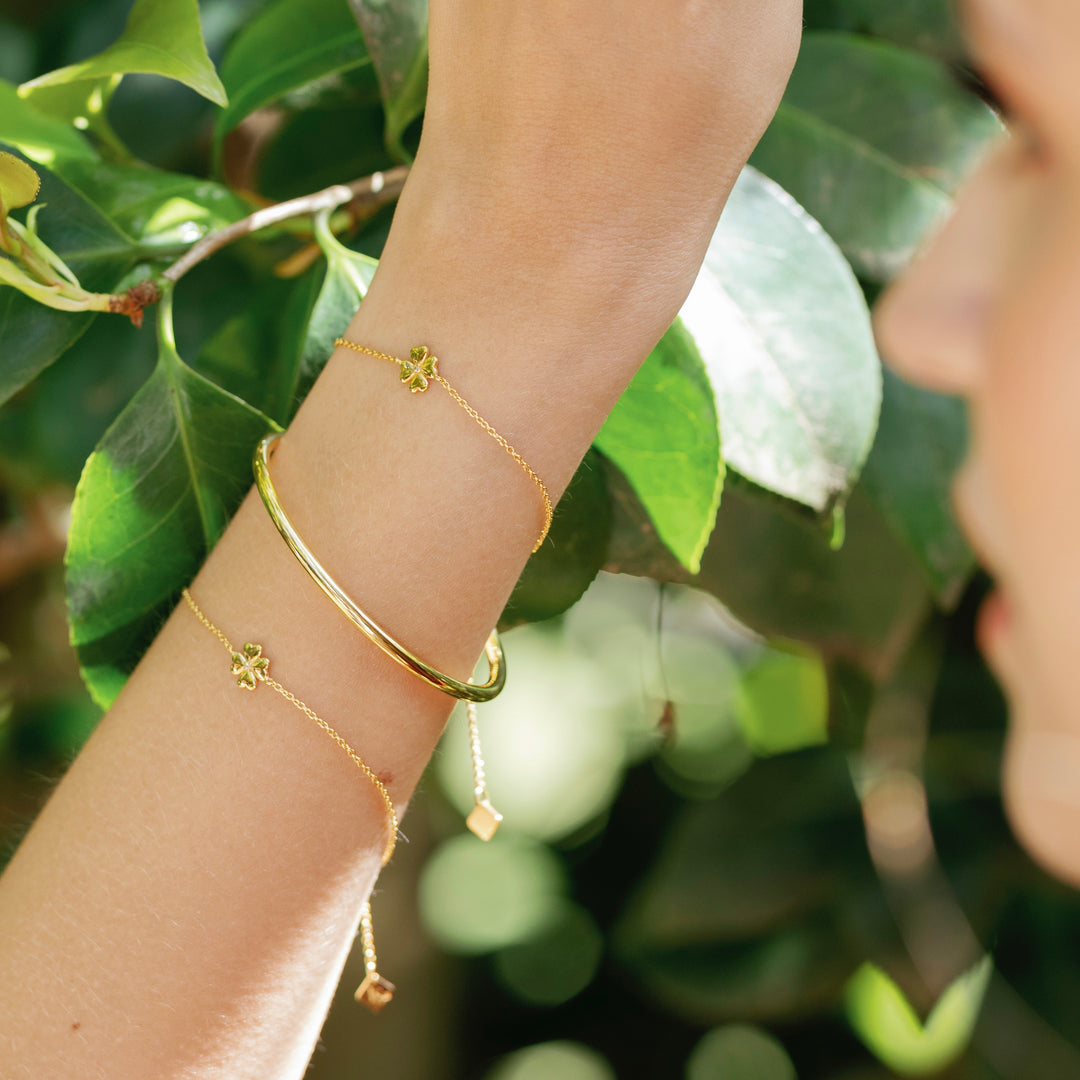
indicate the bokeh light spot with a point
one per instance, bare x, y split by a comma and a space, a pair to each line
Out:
557, 963
476, 897
553, 1061
739, 1052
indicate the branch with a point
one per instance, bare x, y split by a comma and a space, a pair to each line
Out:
379, 187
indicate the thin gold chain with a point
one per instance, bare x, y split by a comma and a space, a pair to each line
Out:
439, 378
309, 712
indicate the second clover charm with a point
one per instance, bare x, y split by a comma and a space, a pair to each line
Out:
419, 369
249, 666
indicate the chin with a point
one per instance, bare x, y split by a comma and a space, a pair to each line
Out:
1041, 788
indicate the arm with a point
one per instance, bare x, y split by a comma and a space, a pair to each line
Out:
186, 900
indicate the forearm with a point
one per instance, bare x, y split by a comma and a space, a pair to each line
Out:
186, 900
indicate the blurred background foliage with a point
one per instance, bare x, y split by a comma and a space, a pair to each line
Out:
748, 759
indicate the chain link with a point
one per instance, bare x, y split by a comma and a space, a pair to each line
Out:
549, 509
311, 714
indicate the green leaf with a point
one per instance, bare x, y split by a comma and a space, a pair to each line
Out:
884, 1020
254, 353
348, 275
158, 209
290, 44
784, 331
82, 104
31, 336
928, 25
39, 137
306, 152
920, 446
48, 432
742, 913
272, 351
152, 501
162, 37
775, 570
557, 575
19, 183
396, 32
877, 166
779, 574
663, 435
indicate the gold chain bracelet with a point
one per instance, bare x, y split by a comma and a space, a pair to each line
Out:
250, 667
418, 372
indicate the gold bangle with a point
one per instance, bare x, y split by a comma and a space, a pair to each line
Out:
421, 369
251, 667
467, 691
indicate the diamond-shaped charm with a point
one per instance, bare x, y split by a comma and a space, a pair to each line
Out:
375, 992
484, 820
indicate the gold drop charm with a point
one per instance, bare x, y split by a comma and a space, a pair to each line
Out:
375, 992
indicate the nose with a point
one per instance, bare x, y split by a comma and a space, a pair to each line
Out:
931, 324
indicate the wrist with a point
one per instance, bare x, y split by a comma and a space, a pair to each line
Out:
602, 286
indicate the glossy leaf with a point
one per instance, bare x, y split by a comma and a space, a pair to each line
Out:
557, 575
31, 336
82, 104
396, 32
780, 574
272, 350
154, 497
784, 331
663, 435
289, 45
158, 209
162, 37
254, 353
776, 571
920, 446
876, 167
344, 286
39, 137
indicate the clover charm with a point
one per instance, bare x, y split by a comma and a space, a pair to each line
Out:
249, 666
419, 369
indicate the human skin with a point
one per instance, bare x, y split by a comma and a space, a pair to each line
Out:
184, 904
991, 311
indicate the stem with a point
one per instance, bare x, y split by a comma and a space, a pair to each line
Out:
165, 333
380, 186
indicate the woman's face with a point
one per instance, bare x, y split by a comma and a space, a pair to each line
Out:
991, 311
